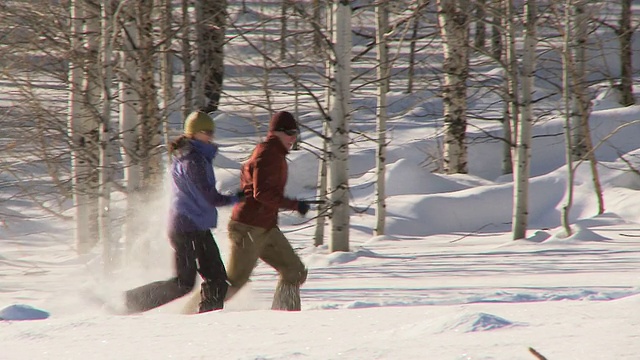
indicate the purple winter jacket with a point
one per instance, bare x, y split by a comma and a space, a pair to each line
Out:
194, 197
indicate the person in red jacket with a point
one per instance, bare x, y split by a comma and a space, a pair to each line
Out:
253, 228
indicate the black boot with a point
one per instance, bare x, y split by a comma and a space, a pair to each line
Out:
213, 293
152, 295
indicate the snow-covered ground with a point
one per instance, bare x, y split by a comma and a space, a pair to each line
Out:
447, 282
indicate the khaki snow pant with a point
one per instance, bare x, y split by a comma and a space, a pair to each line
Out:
250, 243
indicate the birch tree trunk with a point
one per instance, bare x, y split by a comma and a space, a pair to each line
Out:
105, 176
497, 29
421, 4
318, 236
266, 73
318, 5
382, 57
577, 69
512, 112
166, 68
454, 26
199, 99
626, 53
523, 146
296, 81
187, 71
582, 145
566, 95
151, 131
129, 124
500, 26
80, 161
283, 29
340, 114
90, 119
210, 28
480, 21
325, 156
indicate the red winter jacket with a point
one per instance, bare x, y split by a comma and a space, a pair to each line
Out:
263, 178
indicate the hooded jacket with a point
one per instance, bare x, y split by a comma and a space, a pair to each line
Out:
194, 197
263, 178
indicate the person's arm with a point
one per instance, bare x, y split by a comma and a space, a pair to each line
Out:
197, 174
268, 187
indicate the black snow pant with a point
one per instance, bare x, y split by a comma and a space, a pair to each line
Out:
195, 252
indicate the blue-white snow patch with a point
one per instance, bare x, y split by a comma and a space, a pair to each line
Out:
479, 322
19, 312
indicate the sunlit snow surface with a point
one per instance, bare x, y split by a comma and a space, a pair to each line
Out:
445, 282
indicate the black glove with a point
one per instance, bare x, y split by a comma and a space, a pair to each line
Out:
241, 196
303, 207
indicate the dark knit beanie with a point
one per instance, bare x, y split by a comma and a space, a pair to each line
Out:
198, 121
282, 121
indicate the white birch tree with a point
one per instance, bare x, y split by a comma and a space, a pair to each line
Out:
497, 28
339, 129
284, 7
577, 69
566, 96
454, 26
151, 160
523, 145
328, 96
211, 17
80, 166
318, 236
105, 136
187, 70
501, 34
582, 146
318, 5
415, 25
511, 116
382, 74
129, 122
84, 123
166, 66
625, 33
480, 38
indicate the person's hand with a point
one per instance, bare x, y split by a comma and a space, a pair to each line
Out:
303, 207
241, 196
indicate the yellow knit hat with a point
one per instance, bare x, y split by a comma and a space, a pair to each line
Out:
198, 121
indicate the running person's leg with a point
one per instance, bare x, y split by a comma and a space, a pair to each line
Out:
158, 293
246, 242
278, 253
211, 268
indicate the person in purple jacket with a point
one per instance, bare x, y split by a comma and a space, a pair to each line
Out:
192, 214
